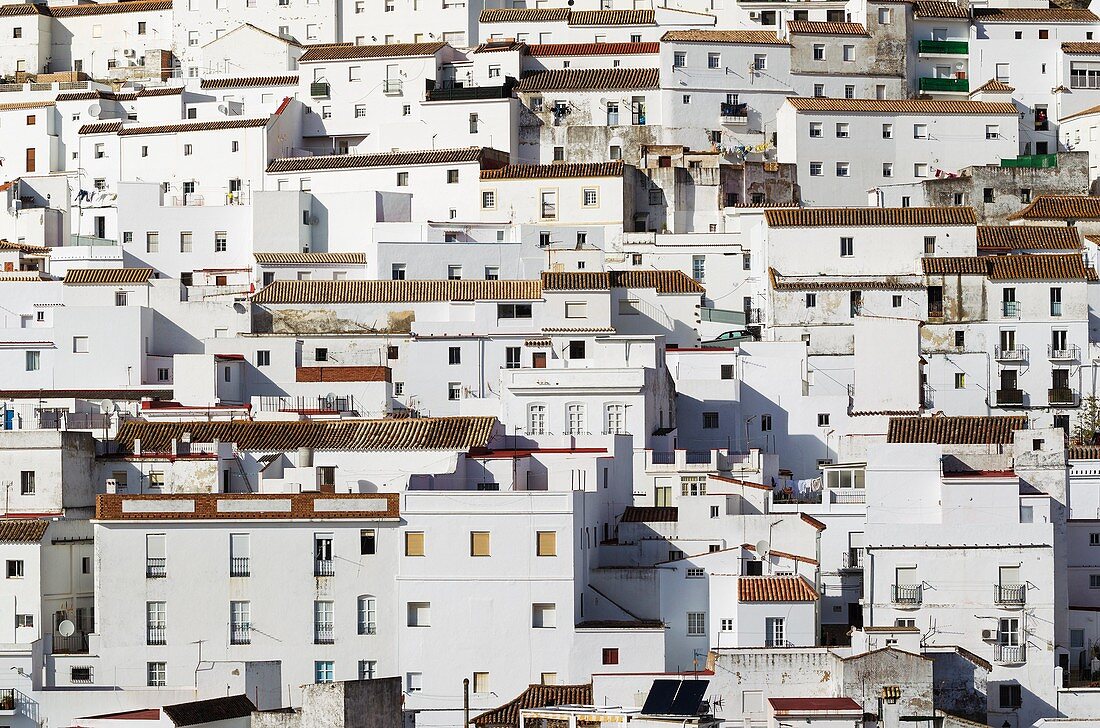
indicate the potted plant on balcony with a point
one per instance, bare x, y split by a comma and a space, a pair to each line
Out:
7, 701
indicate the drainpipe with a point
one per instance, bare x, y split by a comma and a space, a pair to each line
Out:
465, 702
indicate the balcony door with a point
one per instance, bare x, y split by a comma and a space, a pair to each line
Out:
1009, 379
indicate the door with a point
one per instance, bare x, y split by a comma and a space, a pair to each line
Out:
612, 113
939, 34
30, 159
538, 360
1008, 379
855, 615
100, 223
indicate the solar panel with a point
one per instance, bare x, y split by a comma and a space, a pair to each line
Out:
661, 695
688, 697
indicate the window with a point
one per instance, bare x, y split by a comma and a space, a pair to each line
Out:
414, 543
320, 354
610, 655
575, 419
1094, 539
842, 130
694, 572
549, 204
576, 349
1094, 580
591, 197
324, 671
679, 59
710, 420
887, 169
960, 339
960, 380
152, 242
15, 569
454, 355
454, 391
1055, 301
188, 150
920, 131
775, 632
884, 16
849, 53
887, 131
765, 423
989, 195
615, 419
419, 614
80, 344
156, 623
847, 247
156, 674
920, 170
546, 543
819, 51
760, 62
1003, 72
842, 169
536, 419
367, 615
696, 623
263, 358
26, 482
16, 32
479, 543
576, 309
452, 176
397, 271
513, 310
414, 682
816, 169
819, 90
544, 616
1011, 696
33, 360
823, 419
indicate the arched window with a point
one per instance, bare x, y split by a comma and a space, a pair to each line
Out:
368, 615
536, 419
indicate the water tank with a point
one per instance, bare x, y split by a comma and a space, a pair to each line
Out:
305, 457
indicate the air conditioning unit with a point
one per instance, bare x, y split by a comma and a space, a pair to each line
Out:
129, 53
989, 634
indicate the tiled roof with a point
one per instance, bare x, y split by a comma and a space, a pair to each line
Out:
120, 96
102, 127
663, 281
260, 506
555, 171
584, 79
193, 126
410, 291
380, 159
22, 530
496, 46
411, 433
901, 106
246, 81
751, 37
134, 6
107, 276
591, 49
1060, 207
993, 86
23, 9
355, 52
780, 282
523, 15
26, 105
869, 216
1027, 237
1040, 267
1034, 15
348, 373
955, 430
535, 696
157, 91
208, 711
937, 9
650, 514
1083, 47
125, 395
774, 589
825, 28
1084, 452
24, 248
815, 705
611, 17
959, 265
309, 258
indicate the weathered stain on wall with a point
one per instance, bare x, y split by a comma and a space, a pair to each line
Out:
324, 321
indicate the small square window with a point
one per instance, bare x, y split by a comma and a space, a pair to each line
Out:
611, 656
823, 419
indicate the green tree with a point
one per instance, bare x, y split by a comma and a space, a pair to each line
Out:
1088, 421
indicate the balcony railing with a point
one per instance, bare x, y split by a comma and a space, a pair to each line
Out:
1010, 309
240, 634
7, 699
74, 644
945, 85
1067, 353
928, 397
322, 634
1062, 396
663, 458
1010, 397
944, 47
239, 566
324, 405
848, 496
935, 312
393, 86
853, 559
323, 567
1033, 161
723, 316
697, 457
906, 594
368, 628
1009, 593
156, 635
735, 113
1017, 353
156, 568
469, 93
1009, 654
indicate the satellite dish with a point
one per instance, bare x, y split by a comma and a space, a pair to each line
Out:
95, 110
763, 548
65, 628
138, 86
223, 108
107, 405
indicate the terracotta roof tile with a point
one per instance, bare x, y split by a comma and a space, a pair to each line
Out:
815, 705
410, 291
993, 86
208, 711
825, 28
347, 373
19, 106
584, 79
102, 127
555, 171
1037, 266
193, 126
775, 589
935, 9
662, 281
650, 514
959, 265
22, 530
700, 35
611, 17
23, 9
309, 258
209, 506
869, 216
1060, 207
523, 15
1084, 452
549, 50
107, 276
412, 433
25, 248
955, 430
355, 52
384, 159
1027, 237
497, 46
246, 81
1034, 15
901, 106
133, 6
535, 696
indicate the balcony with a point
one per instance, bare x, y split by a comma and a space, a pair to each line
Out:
943, 48
1009, 593
945, 85
240, 634
927, 397
239, 566
735, 113
156, 635
306, 405
7, 701
1009, 654
323, 635
368, 628
74, 644
1010, 398
935, 312
1067, 353
1016, 353
852, 560
393, 87
848, 496
324, 567
469, 93
1032, 161
156, 568
1010, 309
1063, 396
319, 89
906, 595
